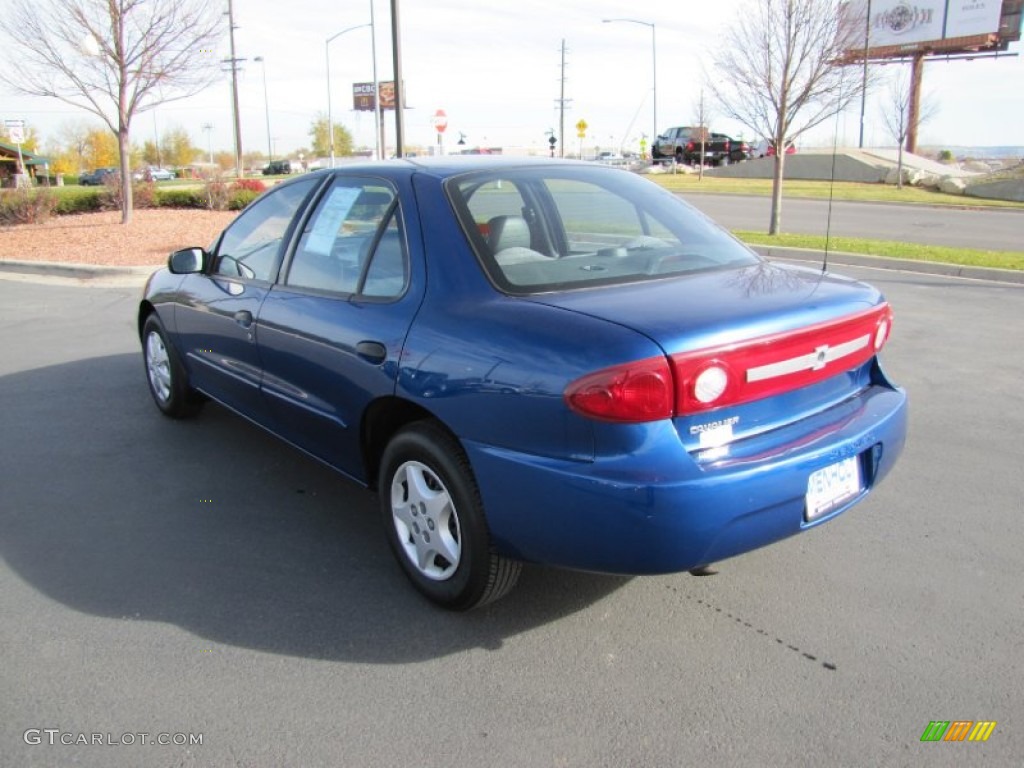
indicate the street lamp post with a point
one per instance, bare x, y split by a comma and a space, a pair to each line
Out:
654, 68
379, 150
266, 104
330, 121
864, 83
208, 127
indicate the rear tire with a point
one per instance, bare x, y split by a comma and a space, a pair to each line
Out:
434, 520
168, 382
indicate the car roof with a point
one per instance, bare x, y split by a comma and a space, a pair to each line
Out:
453, 165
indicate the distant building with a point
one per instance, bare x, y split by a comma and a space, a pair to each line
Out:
36, 166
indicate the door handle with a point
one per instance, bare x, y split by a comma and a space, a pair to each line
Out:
372, 351
243, 318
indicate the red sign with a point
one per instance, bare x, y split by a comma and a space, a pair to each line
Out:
440, 120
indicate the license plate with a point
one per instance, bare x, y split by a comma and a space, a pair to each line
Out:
831, 487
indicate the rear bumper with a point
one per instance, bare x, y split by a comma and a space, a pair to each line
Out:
657, 510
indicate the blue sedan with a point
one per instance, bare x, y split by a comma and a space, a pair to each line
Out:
533, 361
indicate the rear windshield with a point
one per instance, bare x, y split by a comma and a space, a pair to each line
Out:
547, 229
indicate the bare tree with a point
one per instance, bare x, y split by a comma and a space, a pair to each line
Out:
776, 71
114, 58
896, 115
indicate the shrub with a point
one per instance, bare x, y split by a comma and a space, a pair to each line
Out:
217, 196
239, 198
71, 200
26, 206
110, 194
253, 185
946, 156
176, 197
144, 194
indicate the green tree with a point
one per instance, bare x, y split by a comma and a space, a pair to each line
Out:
224, 160
176, 148
318, 136
151, 153
99, 149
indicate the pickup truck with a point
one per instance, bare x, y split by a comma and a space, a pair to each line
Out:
683, 144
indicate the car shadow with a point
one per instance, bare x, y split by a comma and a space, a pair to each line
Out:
216, 527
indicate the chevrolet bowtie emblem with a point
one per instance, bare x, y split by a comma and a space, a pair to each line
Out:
820, 357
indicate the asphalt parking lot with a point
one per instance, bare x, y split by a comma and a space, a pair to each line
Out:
201, 578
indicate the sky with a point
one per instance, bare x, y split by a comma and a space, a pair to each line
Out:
494, 68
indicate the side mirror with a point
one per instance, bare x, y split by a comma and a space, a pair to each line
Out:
187, 261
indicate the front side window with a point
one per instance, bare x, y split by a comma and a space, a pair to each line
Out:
353, 243
251, 246
543, 229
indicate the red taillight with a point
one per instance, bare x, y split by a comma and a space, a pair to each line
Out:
731, 374
634, 392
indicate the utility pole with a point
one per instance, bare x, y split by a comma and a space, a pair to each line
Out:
562, 102
396, 47
234, 91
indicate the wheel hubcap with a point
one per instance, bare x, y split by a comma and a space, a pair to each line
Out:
426, 521
158, 366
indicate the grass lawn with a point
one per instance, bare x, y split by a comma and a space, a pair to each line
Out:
882, 193
841, 190
891, 249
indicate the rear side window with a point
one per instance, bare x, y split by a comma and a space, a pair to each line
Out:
542, 229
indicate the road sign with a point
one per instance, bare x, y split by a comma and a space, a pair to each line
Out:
15, 131
440, 120
581, 128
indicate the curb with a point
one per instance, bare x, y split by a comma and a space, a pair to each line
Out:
884, 262
76, 271
91, 272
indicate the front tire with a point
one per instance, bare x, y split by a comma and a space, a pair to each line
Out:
168, 382
434, 521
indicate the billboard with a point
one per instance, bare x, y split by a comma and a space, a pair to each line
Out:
363, 96
900, 27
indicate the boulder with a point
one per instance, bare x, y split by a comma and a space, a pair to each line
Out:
952, 185
914, 177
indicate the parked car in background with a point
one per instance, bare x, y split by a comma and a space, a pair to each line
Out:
277, 168
97, 177
684, 145
732, 150
153, 173
611, 158
594, 376
767, 149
